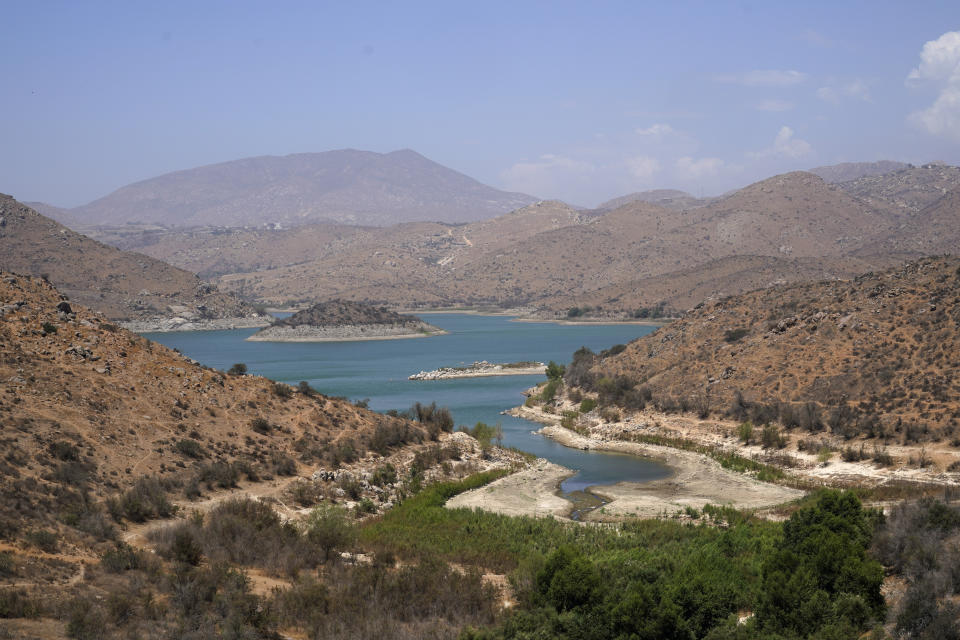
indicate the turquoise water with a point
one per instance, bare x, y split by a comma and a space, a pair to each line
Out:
378, 370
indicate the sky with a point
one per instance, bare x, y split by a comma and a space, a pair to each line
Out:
580, 101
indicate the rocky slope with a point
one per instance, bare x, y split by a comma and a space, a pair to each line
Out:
346, 186
123, 285
875, 354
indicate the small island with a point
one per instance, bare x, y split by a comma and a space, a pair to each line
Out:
345, 321
481, 369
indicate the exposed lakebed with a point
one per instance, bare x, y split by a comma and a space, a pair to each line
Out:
378, 370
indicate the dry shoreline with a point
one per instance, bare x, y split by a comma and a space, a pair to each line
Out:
530, 492
696, 481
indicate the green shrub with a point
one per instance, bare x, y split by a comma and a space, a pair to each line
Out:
555, 371
735, 335
588, 405
745, 432
44, 540
282, 390
48, 327
147, 499
549, 391
238, 369
189, 448
261, 426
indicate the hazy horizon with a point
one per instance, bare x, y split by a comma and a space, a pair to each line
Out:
557, 100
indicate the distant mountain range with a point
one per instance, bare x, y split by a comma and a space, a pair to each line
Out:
653, 249
549, 255
344, 186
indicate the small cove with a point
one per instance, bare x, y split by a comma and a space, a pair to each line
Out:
378, 370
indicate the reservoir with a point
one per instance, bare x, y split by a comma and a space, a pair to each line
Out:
377, 370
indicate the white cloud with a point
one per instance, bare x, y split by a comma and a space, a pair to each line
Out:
856, 89
785, 146
940, 65
643, 167
693, 169
774, 105
763, 78
655, 130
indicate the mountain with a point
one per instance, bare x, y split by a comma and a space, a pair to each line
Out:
874, 355
123, 285
346, 186
846, 171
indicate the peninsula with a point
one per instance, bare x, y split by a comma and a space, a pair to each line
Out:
481, 369
343, 321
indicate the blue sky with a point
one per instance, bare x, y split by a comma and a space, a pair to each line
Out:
582, 101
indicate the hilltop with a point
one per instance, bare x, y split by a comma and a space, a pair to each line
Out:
124, 286
344, 186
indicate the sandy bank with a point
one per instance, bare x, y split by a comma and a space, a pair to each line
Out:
531, 492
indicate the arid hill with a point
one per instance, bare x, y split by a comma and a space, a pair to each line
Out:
214, 251
796, 219
107, 436
345, 186
123, 285
873, 355
674, 293
124, 403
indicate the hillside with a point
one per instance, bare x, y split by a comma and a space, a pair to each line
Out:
345, 186
873, 355
674, 293
214, 251
108, 436
123, 285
